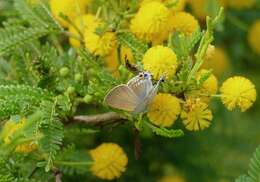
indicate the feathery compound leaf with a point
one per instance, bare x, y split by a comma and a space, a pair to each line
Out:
18, 99
182, 45
37, 15
39, 18
129, 40
14, 37
72, 161
170, 133
243, 178
254, 166
52, 130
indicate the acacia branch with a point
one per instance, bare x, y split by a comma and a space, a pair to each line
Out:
99, 119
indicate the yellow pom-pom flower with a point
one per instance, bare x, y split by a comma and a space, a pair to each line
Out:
218, 62
151, 21
184, 22
253, 36
100, 45
196, 115
164, 110
160, 61
87, 21
69, 8
241, 4
9, 130
209, 86
239, 92
109, 161
112, 63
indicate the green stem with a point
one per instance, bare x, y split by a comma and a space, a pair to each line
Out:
237, 22
208, 95
69, 163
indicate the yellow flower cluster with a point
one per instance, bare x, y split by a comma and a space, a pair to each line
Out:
68, 8
208, 88
239, 92
218, 61
154, 21
210, 85
112, 61
109, 161
151, 21
160, 61
164, 110
253, 36
81, 24
184, 22
9, 130
100, 45
196, 115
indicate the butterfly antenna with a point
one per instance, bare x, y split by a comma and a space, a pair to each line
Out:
161, 79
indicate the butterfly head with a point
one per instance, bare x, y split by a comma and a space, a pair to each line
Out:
145, 75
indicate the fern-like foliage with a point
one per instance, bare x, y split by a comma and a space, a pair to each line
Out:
254, 166
19, 99
15, 35
5, 173
183, 45
169, 133
72, 161
100, 79
52, 129
254, 169
243, 178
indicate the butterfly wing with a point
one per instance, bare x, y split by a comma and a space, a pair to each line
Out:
140, 86
142, 106
122, 97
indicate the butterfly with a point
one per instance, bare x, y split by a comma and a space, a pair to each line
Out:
135, 96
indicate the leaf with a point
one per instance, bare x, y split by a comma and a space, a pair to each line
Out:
254, 166
19, 99
19, 34
243, 178
170, 133
182, 45
53, 132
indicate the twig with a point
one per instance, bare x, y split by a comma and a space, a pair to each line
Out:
99, 119
57, 176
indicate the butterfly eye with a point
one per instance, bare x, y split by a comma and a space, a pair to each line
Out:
140, 75
145, 75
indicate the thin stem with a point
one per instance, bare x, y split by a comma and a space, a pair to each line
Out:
208, 95
98, 119
237, 22
69, 163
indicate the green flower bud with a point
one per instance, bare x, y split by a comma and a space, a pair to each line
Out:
78, 77
64, 71
88, 98
70, 90
92, 71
